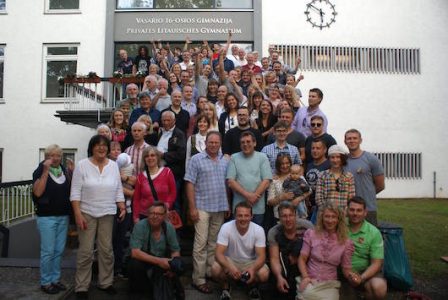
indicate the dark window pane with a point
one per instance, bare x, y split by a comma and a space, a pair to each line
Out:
64, 4
2, 4
2, 51
62, 50
57, 69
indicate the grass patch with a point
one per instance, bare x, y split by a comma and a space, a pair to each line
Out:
425, 224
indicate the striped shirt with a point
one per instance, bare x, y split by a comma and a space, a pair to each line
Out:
209, 179
335, 191
136, 155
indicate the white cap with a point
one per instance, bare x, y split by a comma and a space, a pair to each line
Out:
336, 149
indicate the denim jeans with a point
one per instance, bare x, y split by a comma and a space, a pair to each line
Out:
53, 234
258, 219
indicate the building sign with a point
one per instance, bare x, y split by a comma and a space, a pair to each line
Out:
175, 26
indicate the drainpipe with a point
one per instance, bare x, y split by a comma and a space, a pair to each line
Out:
434, 181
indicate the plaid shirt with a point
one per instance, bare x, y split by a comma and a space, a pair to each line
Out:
136, 156
272, 150
209, 179
335, 191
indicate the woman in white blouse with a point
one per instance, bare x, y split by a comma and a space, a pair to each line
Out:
95, 194
196, 142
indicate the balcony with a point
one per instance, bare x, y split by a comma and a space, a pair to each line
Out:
90, 100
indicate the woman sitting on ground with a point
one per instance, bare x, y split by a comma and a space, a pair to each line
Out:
324, 249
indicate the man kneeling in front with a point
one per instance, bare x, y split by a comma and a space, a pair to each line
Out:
155, 256
368, 257
240, 253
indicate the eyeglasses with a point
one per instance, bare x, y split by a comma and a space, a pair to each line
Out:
316, 124
154, 214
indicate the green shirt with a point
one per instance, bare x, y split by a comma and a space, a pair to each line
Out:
368, 245
141, 234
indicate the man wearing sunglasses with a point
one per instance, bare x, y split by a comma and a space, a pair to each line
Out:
317, 133
302, 120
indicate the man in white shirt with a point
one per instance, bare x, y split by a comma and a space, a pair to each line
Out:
241, 253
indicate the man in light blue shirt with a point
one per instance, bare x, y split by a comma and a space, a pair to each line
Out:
249, 175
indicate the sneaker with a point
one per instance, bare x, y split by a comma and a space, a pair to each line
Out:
254, 294
225, 295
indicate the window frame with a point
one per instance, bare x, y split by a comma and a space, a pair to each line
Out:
2, 59
3, 11
48, 10
48, 58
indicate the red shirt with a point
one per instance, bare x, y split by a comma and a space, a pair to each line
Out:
165, 186
255, 69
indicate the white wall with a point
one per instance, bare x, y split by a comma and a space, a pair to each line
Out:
395, 113
26, 123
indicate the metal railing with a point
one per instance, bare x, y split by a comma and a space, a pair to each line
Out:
16, 201
95, 93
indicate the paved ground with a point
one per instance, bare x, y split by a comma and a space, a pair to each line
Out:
19, 279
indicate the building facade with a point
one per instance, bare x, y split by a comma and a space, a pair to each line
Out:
379, 63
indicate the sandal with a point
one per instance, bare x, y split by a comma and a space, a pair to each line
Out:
203, 288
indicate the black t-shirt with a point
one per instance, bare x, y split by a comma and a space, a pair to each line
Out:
294, 138
182, 119
231, 142
142, 64
312, 174
326, 138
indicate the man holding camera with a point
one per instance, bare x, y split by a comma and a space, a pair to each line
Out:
155, 256
241, 253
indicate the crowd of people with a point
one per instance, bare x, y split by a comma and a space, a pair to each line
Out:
226, 143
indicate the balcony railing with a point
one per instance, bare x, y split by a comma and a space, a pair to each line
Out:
95, 93
15, 201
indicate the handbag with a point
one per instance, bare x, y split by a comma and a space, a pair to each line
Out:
173, 216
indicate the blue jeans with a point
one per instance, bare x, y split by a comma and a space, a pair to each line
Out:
53, 234
258, 219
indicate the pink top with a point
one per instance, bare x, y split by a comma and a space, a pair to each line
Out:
325, 254
165, 186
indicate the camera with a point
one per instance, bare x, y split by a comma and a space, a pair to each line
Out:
245, 277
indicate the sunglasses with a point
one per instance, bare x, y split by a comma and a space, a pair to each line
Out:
337, 185
316, 124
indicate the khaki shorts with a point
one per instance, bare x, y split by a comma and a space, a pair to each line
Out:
244, 265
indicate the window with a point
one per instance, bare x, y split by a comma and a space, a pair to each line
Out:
59, 61
2, 68
61, 6
353, 59
183, 4
399, 165
67, 153
2, 6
